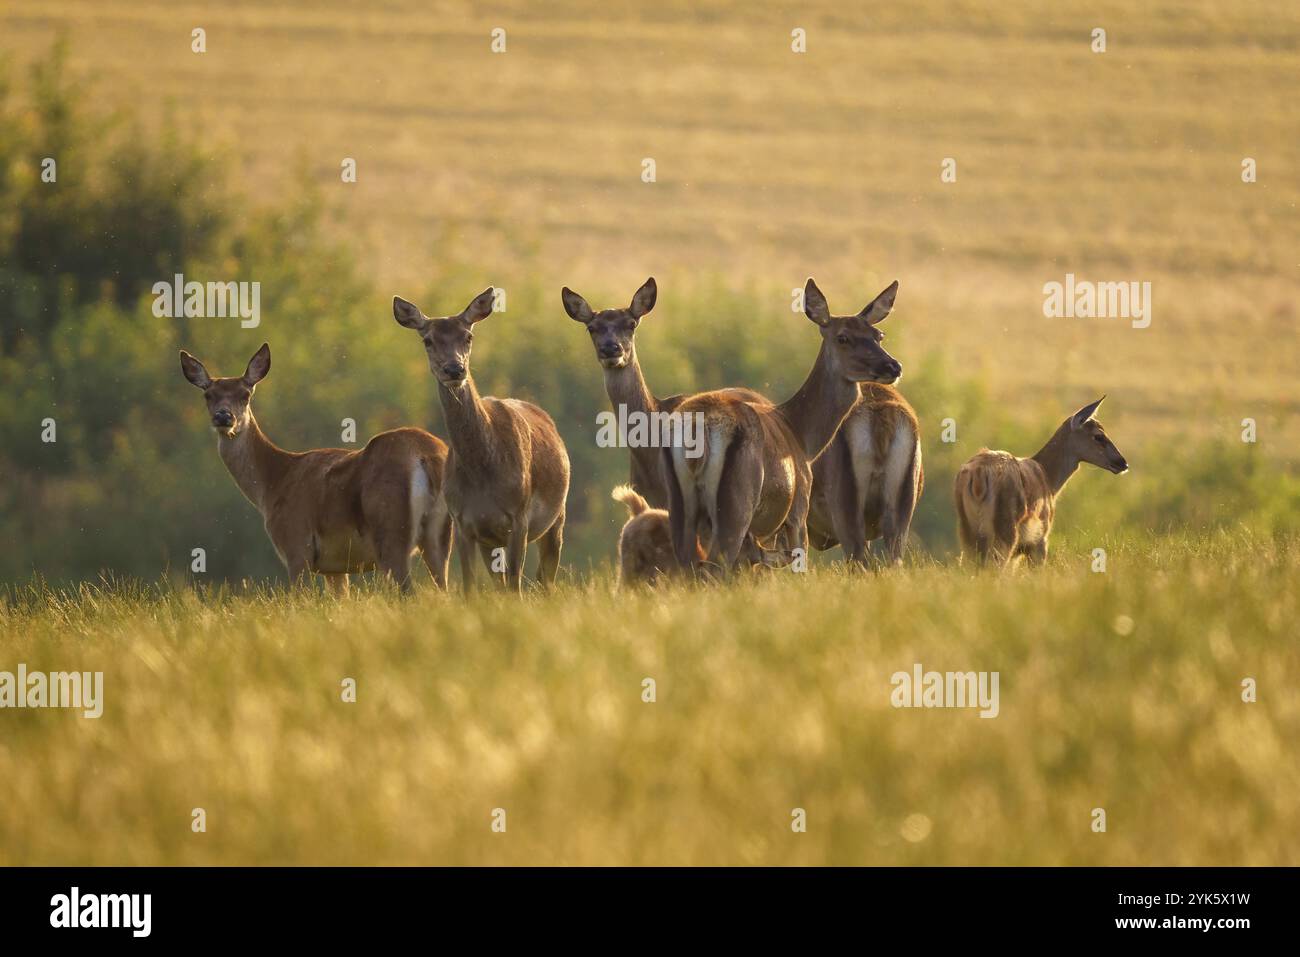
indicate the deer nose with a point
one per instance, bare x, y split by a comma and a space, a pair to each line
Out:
611, 351
453, 370
894, 368
223, 418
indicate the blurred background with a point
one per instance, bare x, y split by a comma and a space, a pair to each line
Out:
523, 169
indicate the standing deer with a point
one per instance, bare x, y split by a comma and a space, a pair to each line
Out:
755, 475
508, 471
1005, 504
333, 512
867, 482
613, 333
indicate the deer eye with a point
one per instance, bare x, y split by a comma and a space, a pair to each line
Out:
1101, 440
842, 339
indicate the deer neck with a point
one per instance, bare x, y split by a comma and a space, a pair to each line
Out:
1057, 461
626, 387
468, 425
255, 462
817, 409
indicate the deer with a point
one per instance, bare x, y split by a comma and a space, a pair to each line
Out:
1006, 504
645, 545
868, 480
754, 477
333, 512
865, 485
613, 334
507, 475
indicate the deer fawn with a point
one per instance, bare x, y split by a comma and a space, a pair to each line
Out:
1005, 504
645, 545
332, 511
754, 478
867, 482
508, 471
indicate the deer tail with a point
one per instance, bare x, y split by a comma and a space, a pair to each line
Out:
629, 496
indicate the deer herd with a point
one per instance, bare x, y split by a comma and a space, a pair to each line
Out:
837, 463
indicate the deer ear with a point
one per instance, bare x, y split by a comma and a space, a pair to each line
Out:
644, 300
193, 370
880, 307
408, 314
258, 366
1084, 414
480, 308
575, 305
814, 304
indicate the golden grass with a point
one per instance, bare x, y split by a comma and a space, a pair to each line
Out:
771, 695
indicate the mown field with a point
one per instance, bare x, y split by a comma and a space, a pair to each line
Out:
773, 166
1119, 690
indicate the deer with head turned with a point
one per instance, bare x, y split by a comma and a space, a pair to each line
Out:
1006, 504
333, 512
508, 470
867, 482
754, 477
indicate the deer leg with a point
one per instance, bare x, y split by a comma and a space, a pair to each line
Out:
299, 573
465, 551
548, 547
847, 523
683, 517
493, 561
516, 549
395, 563
338, 584
1006, 531
729, 532
965, 534
435, 547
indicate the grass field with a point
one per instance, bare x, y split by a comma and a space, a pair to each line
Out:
1119, 691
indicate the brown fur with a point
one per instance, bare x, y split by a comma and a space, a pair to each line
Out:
613, 334
645, 545
508, 470
1006, 505
754, 480
333, 511
868, 481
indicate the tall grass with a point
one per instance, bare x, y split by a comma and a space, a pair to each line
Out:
1120, 691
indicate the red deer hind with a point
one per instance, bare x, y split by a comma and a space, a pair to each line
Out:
332, 511
1006, 504
508, 470
754, 476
